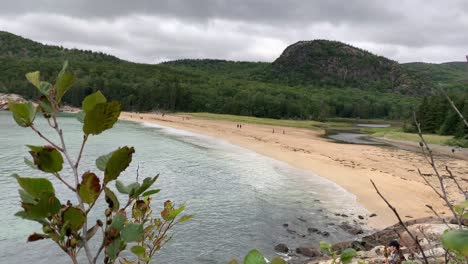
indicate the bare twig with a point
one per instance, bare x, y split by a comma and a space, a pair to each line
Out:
45, 138
441, 218
415, 239
57, 175
85, 138
454, 107
443, 195
430, 184
75, 173
464, 192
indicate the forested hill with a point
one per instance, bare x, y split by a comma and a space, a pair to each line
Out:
453, 75
217, 86
320, 63
13, 46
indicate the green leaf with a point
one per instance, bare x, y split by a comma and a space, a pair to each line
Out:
185, 218
45, 106
26, 216
75, 218
26, 197
347, 255
102, 117
126, 189
34, 79
254, 257
147, 182
47, 158
325, 247
92, 100
30, 164
456, 241
89, 188
118, 221
233, 261
80, 116
64, 82
101, 162
111, 199
277, 260
47, 205
23, 113
113, 249
139, 251
118, 162
132, 233
150, 192
35, 186
45, 88
174, 213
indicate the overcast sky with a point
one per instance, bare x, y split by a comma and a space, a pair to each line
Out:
256, 30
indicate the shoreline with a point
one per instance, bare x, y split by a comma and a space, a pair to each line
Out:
348, 165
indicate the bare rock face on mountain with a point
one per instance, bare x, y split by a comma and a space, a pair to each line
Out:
324, 62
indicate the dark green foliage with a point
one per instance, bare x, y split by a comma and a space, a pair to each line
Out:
452, 75
333, 63
216, 86
436, 115
47, 158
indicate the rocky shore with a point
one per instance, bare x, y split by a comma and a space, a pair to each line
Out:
370, 248
6, 98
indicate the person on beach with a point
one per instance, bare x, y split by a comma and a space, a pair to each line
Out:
395, 257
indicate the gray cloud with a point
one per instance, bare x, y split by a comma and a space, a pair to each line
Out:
151, 31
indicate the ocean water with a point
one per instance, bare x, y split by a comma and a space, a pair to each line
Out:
240, 199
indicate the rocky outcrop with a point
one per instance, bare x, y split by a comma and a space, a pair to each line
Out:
370, 248
325, 62
6, 98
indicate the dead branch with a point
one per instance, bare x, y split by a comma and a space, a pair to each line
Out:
464, 192
454, 107
442, 195
441, 218
415, 239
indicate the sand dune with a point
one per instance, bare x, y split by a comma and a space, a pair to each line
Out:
351, 166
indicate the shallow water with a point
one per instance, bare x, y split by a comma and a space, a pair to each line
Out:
373, 125
353, 138
241, 199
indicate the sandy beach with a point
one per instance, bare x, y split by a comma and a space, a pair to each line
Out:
351, 166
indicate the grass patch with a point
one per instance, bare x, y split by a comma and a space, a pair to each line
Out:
400, 135
310, 124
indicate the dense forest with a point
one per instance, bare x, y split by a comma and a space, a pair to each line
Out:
217, 86
436, 115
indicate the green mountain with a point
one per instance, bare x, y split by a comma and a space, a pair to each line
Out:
333, 63
453, 75
319, 63
13, 46
311, 80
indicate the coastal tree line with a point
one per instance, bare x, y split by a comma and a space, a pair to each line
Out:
437, 116
156, 87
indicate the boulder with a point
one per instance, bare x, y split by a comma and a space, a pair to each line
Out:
308, 251
353, 230
282, 248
